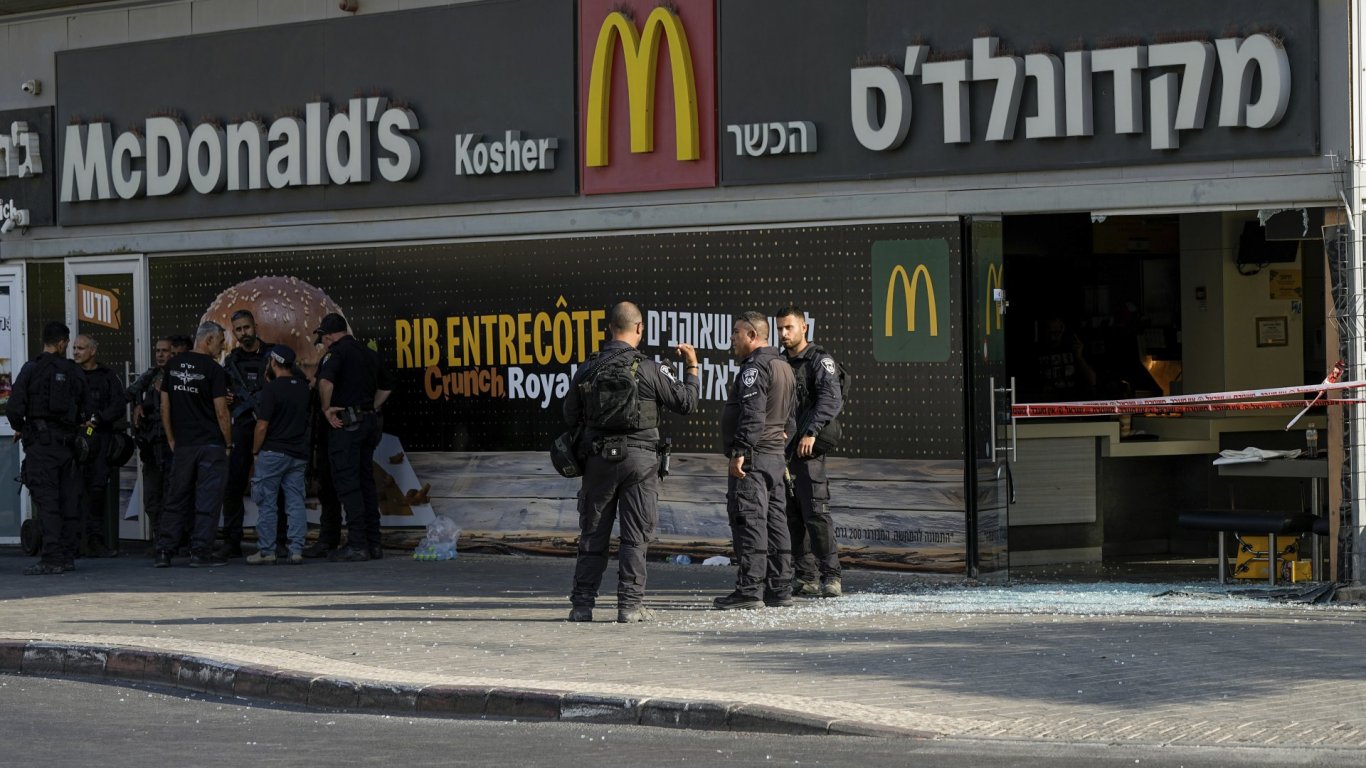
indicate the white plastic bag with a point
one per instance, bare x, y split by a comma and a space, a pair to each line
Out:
440, 541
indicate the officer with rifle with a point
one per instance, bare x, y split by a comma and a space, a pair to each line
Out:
616, 397
150, 436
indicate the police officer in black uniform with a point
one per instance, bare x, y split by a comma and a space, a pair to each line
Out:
246, 366
616, 397
44, 408
105, 404
150, 437
815, 554
754, 427
320, 472
353, 384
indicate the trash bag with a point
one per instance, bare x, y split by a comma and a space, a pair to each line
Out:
440, 541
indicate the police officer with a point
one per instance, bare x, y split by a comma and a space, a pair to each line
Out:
45, 407
194, 414
246, 367
145, 395
352, 386
616, 396
320, 472
814, 550
105, 404
755, 424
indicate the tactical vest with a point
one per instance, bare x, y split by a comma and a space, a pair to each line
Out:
611, 394
54, 393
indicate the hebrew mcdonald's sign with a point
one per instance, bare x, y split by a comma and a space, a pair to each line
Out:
910, 288
649, 123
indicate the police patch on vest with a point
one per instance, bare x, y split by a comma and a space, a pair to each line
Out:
829, 364
749, 376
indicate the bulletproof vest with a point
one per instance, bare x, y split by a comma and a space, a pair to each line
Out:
54, 393
250, 368
97, 389
806, 378
611, 395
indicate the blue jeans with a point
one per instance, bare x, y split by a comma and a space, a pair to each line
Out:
275, 471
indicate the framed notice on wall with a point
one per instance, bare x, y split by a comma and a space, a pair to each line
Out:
1271, 332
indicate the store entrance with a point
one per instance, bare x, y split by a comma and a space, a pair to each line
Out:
1122, 307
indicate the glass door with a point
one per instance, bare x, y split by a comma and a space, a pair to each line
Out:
13, 354
989, 395
106, 299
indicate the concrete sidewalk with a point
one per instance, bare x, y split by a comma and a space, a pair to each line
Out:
899, 655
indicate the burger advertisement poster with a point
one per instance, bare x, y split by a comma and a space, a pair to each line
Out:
484, 339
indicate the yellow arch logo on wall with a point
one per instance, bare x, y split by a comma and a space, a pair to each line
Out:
910, 287
641, 51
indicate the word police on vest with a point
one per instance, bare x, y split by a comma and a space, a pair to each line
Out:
511, 155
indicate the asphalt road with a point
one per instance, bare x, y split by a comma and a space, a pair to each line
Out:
65, 722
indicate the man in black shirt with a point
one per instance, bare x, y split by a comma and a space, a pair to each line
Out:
754, 427
194, 414
815, 553
280, 446
245, 367
105, 407
44, 409
352, 386
621, 474
145, 395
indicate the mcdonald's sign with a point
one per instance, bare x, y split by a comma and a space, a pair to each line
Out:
911, 306
647, 82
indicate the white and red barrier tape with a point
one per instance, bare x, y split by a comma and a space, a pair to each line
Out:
1242, 400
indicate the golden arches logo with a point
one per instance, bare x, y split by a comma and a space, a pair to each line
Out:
909, 284
641, 51
993, 307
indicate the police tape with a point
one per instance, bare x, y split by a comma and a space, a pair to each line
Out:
1043, 410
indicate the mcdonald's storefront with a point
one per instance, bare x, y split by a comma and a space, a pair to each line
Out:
952, 213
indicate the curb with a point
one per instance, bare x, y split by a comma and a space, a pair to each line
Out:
202, 674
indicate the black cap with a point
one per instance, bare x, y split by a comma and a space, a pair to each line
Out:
332, 323
282, 355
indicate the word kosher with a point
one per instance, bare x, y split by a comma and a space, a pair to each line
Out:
317, 149
1178, 92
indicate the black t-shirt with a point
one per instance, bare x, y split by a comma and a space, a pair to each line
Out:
284, 403
355, 372
192, 381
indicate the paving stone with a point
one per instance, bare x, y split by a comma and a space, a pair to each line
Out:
12, 655
596, 708
44, 659
523, 704
458, 700
387, 697
327, 692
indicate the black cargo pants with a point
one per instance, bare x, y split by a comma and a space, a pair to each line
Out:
815, 554
757, 508
628, 491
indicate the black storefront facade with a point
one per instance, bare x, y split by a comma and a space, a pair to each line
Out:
474, 211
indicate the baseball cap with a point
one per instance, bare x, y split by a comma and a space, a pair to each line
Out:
331, 323
282, 355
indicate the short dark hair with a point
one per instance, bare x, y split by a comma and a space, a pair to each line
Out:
54, 332
241, 313
181, 340
168, 339
624, 315
791, 310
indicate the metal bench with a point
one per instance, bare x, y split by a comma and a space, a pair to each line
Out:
1270, 523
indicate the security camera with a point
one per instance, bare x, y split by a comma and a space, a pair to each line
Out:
32, 87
